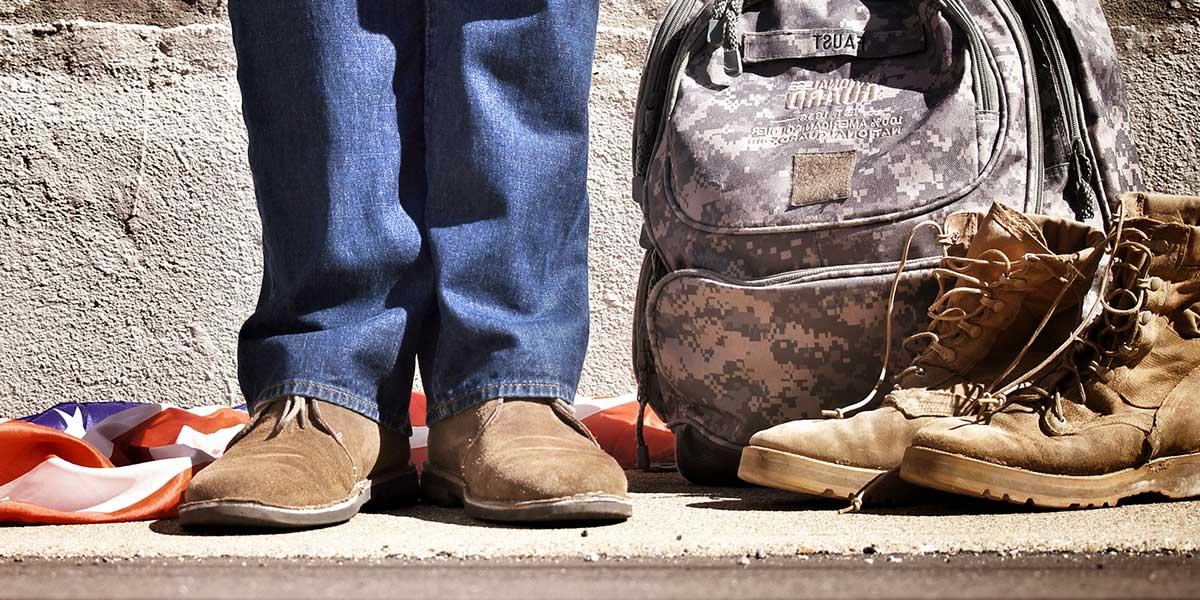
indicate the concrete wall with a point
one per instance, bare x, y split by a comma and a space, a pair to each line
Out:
127, 222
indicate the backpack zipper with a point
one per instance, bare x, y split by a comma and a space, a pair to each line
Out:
1083, 156
984, 80
1033, 108
814, 274
670, 85
673, 21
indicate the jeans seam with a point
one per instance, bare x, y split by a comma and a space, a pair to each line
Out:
482, 388
265, 395
441, 403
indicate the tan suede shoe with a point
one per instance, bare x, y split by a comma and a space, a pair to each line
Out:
523, 460
301, 463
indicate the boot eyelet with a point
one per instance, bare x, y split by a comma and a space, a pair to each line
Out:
1160, 246
1145, 317
1155, 284
999, 306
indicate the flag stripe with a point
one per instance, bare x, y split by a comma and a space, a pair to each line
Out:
93, 489
112, 461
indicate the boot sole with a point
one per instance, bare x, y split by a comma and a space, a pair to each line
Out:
448, 491
801, 474
383, 492
1174, 477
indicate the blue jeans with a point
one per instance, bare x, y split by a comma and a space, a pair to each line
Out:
420, 168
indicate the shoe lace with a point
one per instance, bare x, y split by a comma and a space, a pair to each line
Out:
948, 323
1103, 338
302, 411
298, 409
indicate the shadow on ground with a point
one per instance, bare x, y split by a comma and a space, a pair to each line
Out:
888, 496
419, 510
892, 497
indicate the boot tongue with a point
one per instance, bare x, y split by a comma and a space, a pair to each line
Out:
1003, 229
1008, 231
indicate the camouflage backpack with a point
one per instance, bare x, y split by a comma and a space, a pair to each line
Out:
783, 150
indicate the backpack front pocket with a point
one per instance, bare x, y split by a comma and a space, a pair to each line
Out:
735, 357
845, 112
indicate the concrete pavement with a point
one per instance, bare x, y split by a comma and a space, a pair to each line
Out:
671, 520
928, 576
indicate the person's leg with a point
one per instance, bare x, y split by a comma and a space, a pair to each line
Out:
333, 103
335, 121
507, 129
507, 126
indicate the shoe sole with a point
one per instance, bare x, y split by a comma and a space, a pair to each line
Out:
1174, 477
801, 474
381, 492
446, 490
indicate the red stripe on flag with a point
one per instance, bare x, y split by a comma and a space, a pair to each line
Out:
161, 504
416, 409
163, 430
24, 446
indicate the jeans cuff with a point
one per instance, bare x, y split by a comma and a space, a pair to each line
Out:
439, 407
340, 397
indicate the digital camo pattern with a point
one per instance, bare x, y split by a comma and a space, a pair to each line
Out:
1090, 49
757, 256
910, 119
858, 15
1096, 92
734, 359
716, 196
753, 252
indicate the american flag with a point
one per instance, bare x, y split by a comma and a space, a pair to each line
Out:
103, 462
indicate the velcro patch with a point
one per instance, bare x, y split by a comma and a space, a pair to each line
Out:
818, 178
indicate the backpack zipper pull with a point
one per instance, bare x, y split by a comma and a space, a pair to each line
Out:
730, 42
643, 451
733, 61
1085, 196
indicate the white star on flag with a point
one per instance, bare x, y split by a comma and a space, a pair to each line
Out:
74, 423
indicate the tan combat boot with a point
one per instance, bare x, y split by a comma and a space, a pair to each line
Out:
1120, 414
1005, 276
523, 460
301, 463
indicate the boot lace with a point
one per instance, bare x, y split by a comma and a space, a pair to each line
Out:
949, 323
1097, 343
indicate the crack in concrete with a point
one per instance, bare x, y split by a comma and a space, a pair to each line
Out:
135, 202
